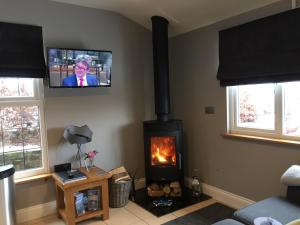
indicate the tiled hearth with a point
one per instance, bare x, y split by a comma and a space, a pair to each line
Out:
187, 199
131, 214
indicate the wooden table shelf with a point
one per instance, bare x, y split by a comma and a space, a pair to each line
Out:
89, 215
65, 200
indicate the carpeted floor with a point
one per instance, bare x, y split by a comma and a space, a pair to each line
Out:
205, 216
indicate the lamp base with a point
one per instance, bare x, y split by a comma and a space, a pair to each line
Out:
78, 157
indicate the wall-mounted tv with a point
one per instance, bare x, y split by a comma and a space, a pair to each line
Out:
79, 68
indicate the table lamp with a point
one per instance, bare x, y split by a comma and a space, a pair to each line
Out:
78, 135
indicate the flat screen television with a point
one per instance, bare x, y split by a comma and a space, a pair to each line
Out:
79, 68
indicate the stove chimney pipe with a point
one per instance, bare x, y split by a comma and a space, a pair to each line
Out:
161, 67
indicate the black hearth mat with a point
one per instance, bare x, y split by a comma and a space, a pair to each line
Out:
205, 216
142, 199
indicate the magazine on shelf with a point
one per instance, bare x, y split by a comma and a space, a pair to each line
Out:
79, 203
93, 199
71, 176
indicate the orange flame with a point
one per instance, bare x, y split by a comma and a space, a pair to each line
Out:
163, 151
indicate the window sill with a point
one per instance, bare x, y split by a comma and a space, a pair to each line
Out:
24, 180
262, 139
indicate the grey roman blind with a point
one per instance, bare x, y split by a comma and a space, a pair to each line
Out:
263, 51
21, 51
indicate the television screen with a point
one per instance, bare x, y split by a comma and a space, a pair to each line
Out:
72, 68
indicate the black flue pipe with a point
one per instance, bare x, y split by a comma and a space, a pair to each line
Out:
161, 67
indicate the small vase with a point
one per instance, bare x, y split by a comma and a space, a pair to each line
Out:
91, 163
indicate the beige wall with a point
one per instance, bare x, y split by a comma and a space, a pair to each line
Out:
247, 168
114, 114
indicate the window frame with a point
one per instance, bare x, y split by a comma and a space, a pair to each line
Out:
36, 100
232, 116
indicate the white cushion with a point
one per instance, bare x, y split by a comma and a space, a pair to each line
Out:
266, 221
291, 177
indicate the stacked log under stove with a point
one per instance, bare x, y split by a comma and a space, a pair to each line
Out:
172, 189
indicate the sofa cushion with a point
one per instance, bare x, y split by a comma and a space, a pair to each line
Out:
295, 222
291, 176
228, 222
278, 208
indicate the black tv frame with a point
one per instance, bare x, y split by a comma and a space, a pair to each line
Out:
75, 49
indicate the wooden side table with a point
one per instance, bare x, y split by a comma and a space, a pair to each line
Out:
65, 200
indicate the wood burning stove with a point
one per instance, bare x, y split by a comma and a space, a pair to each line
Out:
162, 137
163, 151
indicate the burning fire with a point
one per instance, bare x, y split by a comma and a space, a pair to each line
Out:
163, 151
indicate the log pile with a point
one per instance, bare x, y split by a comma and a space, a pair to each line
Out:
119, 174
172, 189
175, 189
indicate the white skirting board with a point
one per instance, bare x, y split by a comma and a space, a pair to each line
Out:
35, 212
229, 199
225, 197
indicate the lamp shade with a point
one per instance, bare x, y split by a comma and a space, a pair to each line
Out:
78, 135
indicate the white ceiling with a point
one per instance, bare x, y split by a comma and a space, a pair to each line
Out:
183, 15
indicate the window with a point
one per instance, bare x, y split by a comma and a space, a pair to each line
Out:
22, 129
267, 110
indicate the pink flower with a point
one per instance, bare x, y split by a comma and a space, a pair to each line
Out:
91, 154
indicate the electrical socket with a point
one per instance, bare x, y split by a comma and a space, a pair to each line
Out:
209, 110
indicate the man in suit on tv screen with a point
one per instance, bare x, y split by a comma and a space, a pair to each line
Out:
81, 77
